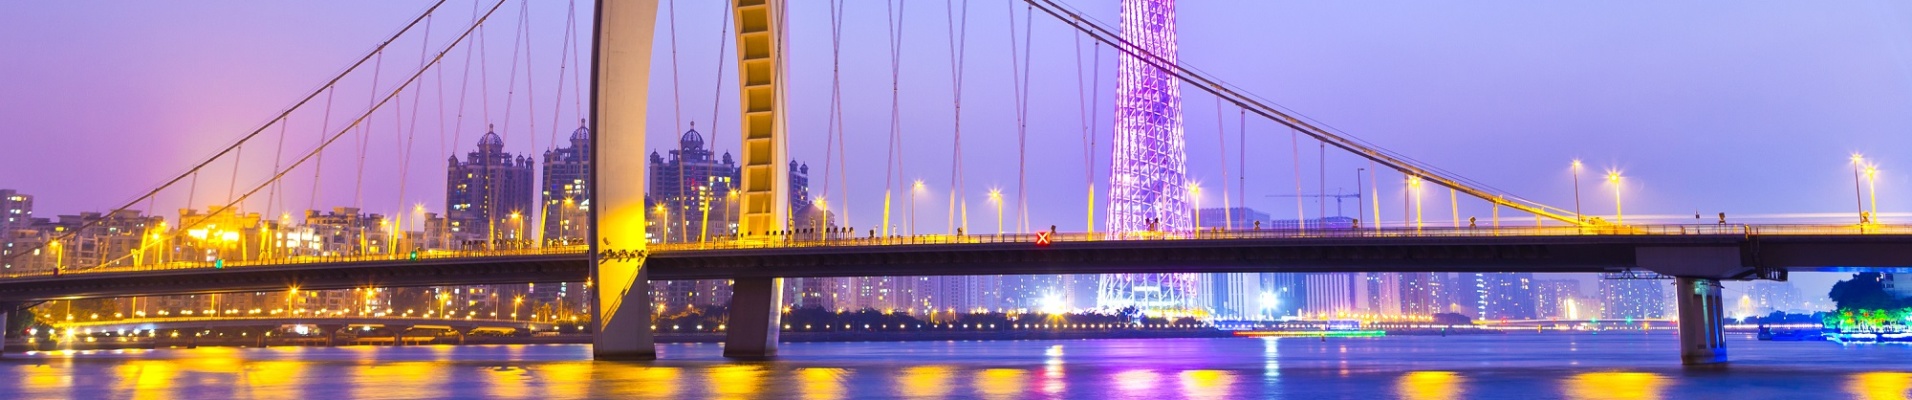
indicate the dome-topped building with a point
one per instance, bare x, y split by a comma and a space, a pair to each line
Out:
485, 192
567, 188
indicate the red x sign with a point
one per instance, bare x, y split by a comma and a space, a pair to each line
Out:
1042, 238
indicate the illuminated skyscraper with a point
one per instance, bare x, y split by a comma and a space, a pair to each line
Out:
1147, 191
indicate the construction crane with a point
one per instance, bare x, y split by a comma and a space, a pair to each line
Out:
1338, 197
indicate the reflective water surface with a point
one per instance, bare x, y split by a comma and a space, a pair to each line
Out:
1512, 366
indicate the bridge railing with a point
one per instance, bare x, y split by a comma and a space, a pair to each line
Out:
845, 238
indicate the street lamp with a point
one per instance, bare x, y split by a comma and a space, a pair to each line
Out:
915, 190
1872, 189
1414, 190
995, 196
823, 211
1619, 216
1195, 192
1576, 191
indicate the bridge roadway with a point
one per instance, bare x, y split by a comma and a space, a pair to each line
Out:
1543, 250
1698, 255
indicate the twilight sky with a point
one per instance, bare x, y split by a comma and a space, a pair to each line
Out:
1750, 108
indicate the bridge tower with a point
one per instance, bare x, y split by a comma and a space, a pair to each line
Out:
756, 304
620, 87
1147, 186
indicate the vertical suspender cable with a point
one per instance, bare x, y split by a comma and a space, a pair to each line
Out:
318, 165
531, 131
364, 142
1221, 146
1241, 161
677, 122
893, 167
958, 43
1301, 215
716, 103
411, 137
1019, 86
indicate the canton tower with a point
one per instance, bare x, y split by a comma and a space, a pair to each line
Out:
1146, 181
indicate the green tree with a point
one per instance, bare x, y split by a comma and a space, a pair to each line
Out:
1863, 292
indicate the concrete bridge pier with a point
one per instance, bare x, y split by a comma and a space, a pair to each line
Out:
756, 314
331, 334
5, 308
398, 334
1702, 337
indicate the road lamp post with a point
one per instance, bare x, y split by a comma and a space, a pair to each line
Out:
1576, 191
995, 197
1195, 193
1872, 188
1414, 190
915, 190
1619, 215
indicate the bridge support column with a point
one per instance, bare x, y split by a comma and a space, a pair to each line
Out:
398, 334
756, 315
1702, 338
620, 289
331, 334
5, 308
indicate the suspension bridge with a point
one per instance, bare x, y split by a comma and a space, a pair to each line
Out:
598, 221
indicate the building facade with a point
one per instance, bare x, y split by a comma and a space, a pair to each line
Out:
488, 195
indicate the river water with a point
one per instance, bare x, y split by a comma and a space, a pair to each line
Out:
1512, 366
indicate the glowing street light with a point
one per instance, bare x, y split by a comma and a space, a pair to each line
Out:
1414, 190
1619, 217
916, 189
1858, 195
995, 196
1195, 192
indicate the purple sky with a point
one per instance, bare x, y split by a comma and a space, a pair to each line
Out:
1750, 108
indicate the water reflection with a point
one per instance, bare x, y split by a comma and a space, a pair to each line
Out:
822, 383
999, 383
1207, 383
734, 381
1880, 385
1409, 368
924, 381
1429, 385
1615, 385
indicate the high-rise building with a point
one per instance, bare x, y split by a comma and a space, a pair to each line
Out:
16, 210
1329, 295
1769, 296
344, 231
567, 189
1555, 298
1504, 295
1422, 293
1633, 298
1378, 293
693, 192
1239, 296
488, 198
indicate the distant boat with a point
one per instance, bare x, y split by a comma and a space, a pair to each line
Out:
1789, 335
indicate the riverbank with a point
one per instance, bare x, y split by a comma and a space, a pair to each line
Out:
19, 346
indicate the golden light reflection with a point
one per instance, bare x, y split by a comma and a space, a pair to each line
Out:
822, 383
567, 380
1615, 385
149, 379
1207, 383
924, 381
999, 383
653, 382
1429, 385
734, 381
1880, 385
273, 378
1136, 380
376, 378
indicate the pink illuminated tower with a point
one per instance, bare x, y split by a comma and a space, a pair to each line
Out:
1147, 188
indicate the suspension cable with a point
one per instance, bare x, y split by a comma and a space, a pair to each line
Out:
1221, 141
235, 145
716, 103
309, 155
893, 167
959, 43
1019, 86
411, 136
677, 122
